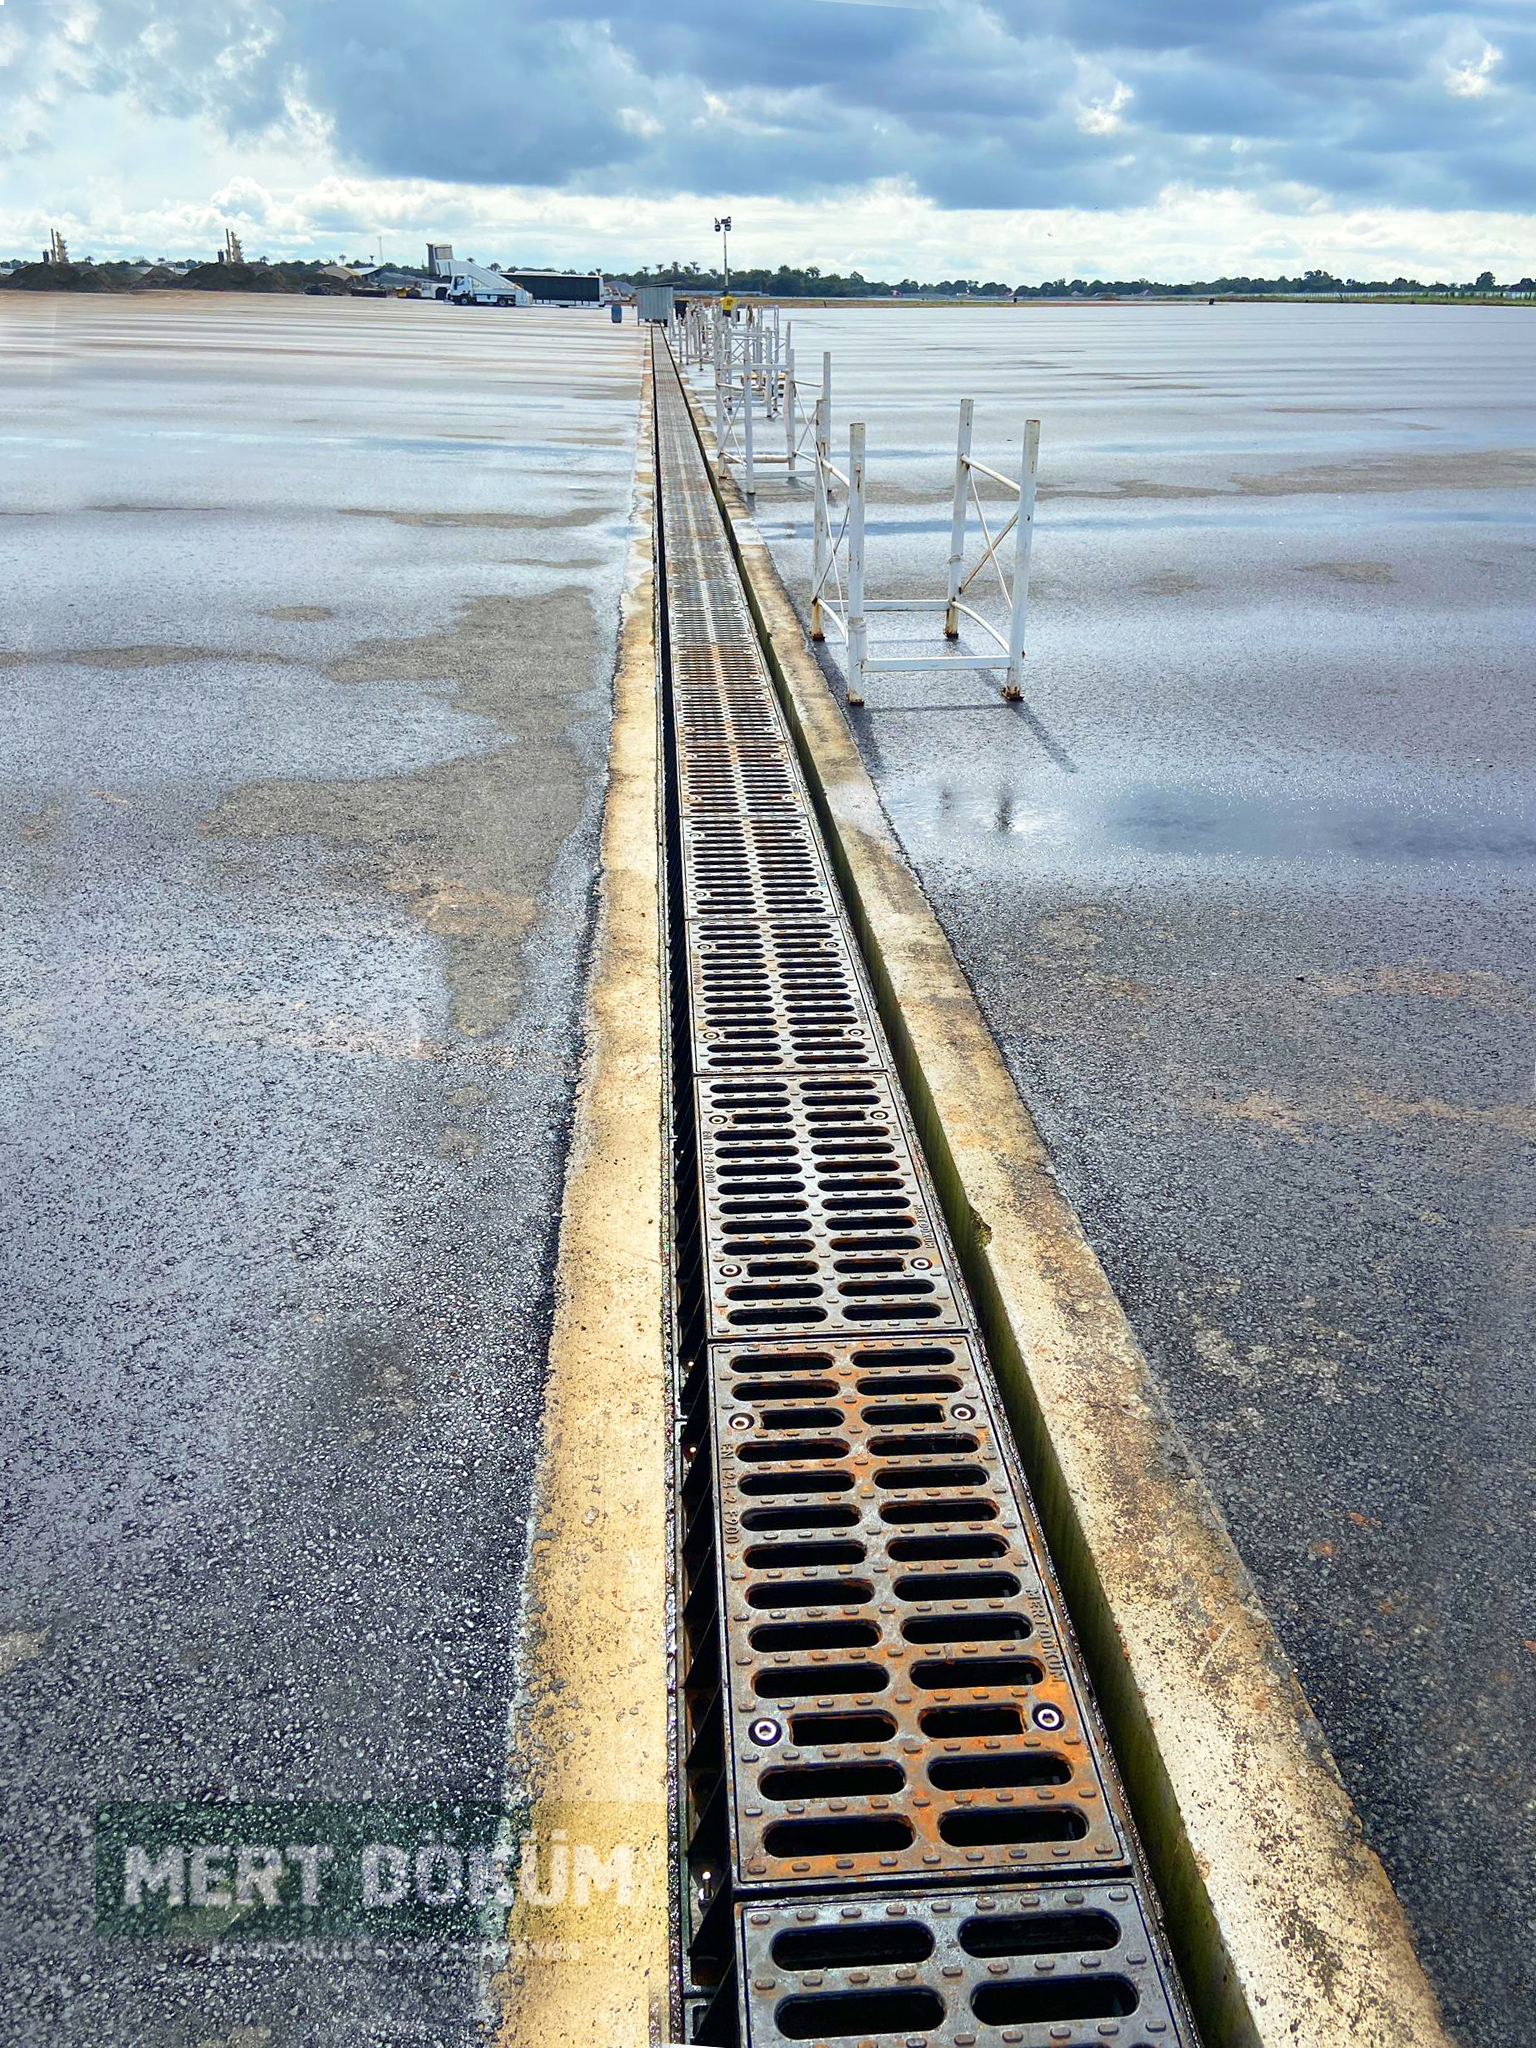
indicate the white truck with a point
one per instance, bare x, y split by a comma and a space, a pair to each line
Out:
469, 284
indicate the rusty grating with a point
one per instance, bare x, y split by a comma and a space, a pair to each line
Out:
881, 1718
777, 993
898, 1699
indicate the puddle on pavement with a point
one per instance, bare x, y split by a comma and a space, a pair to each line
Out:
1187, 820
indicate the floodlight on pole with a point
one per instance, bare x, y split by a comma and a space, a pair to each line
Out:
723, 230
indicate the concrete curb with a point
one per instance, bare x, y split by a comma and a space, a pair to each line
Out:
590, 1737
1283, 1919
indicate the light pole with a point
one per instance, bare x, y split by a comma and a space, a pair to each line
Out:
723, 230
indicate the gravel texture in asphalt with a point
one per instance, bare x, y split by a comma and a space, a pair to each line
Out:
306, 634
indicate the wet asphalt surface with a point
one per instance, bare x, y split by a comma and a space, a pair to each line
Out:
306, 628
1247, 889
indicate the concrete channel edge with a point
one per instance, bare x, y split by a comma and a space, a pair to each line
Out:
590, 1951
1284, 1921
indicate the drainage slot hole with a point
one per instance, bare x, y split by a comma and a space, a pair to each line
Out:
855, 2015
833, 1731
940, 1444
776, 1636
907, 1354
959, 1674
882, 1312
784, 1390
831, 1781
778, 1454
1002, 1773
1039, 1934
1068, 1998
967, 1628
843, 1835
901, 1513
935, 1549
811, 1593
782, 1361
772, 1519
817, 1681
918, 1478
763, 1318
945, 1724
995, 1826
923, 1586
799, 1418
853, 1948
760, 1483
769, 1557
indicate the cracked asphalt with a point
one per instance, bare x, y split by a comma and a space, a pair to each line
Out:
1247, 889
306, 636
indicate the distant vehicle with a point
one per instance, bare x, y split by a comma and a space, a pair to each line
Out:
469, 284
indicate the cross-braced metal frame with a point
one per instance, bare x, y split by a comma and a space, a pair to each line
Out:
844, 606
754, 374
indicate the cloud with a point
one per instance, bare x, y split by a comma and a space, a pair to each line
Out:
974, 105
1102, 116
1469, 79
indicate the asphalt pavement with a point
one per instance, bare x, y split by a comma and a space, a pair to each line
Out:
306, 633
1247, 889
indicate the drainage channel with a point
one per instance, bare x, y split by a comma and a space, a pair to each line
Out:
898, 1817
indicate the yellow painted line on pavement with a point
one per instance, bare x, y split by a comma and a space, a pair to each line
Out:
589, 1949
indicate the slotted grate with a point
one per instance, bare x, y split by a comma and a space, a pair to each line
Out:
816, 1218
754, 866
899, 1702
1057, 1966
777, 993
879, 1707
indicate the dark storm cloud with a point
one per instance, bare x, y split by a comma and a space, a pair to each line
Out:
1023, 103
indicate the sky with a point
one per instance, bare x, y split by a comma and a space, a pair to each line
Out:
1021, 140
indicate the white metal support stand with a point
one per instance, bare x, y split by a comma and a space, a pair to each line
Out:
753, 363
849, 615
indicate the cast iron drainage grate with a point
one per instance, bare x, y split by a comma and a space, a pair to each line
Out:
1051, 1967
889, 1765
816, 1215
898, 1700
774, 994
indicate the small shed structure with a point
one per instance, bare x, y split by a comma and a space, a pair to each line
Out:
654, 301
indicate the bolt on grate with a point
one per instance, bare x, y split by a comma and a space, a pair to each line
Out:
816, 1218
777, 993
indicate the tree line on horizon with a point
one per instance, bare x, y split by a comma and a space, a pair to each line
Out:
787, 281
